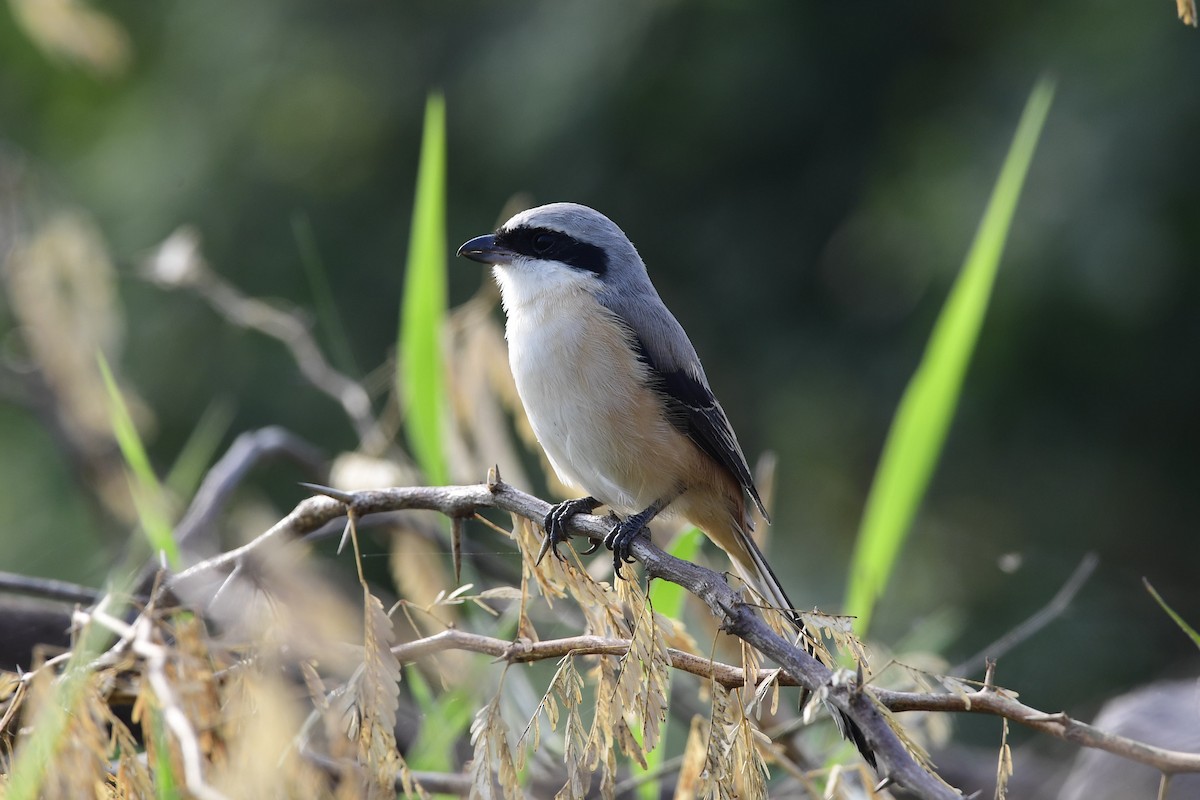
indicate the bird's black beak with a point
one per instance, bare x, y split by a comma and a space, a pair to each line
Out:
486, 250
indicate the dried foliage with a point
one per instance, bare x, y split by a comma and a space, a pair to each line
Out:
259, 674
275, 648
80, 761
645, 669
369, 701
75, 32
61, 286
1004, 766
493, 758
1187, 11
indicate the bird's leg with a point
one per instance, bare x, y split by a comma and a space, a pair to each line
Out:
623, 533
556, 523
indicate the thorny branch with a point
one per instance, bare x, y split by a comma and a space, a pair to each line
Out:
987, 700
895, 762
998, 702
524, 651
859, 702
223, 479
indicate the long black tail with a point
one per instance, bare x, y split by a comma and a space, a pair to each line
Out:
761, 577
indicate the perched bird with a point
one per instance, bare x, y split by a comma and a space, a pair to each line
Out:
613, 387
615, 392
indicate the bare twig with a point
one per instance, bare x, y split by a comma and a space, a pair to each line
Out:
987, 700
1001, 704
1038, 620
520, 652
196, 530
177, 263
48, 588
246, 452
857, 701
736, 617
453, 783
311, 514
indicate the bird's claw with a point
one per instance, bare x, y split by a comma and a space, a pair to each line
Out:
555, 524
612, 519
548, 543
620, 540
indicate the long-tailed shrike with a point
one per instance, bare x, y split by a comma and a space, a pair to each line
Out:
615, 392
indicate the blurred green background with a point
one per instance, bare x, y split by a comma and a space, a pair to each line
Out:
802, 179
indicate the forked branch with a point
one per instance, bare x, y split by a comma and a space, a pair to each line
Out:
861, 703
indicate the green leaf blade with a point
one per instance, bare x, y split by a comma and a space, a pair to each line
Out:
668, 598
423, 308
927, 408
148, 495
1174, 615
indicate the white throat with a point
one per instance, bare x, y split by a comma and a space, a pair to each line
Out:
526, 284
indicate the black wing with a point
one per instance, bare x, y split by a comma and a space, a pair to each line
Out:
695, 412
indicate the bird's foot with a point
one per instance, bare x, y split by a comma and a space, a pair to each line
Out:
620, 540
555, 524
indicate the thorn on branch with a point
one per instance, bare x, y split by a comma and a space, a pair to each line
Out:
735, 617
337, 494
517, 649
456, 532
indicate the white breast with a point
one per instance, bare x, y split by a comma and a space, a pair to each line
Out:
584, 391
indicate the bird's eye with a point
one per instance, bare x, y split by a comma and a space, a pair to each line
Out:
543, 243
